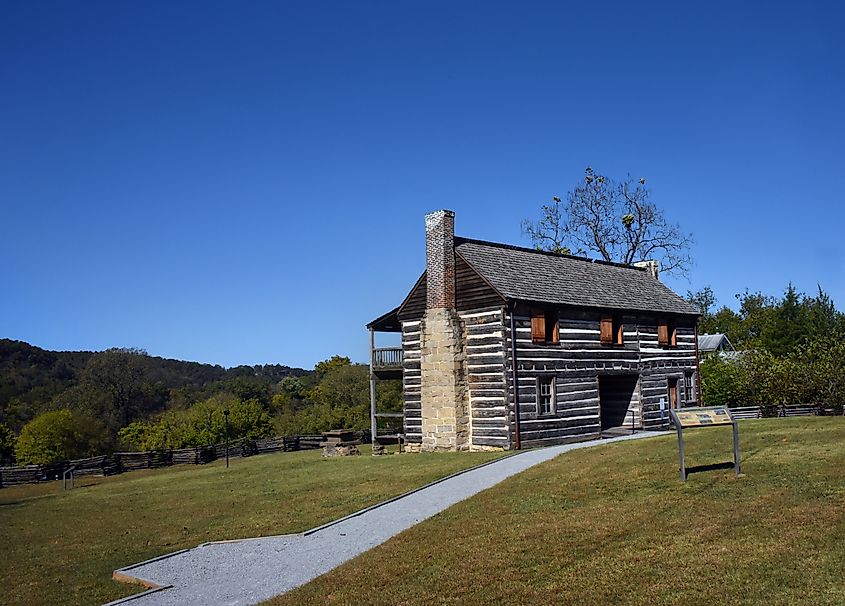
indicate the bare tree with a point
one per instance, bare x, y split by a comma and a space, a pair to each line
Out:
615, 220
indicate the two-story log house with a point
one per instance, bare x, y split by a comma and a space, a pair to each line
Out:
508, 347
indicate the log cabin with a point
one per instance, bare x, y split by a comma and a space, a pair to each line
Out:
504, 347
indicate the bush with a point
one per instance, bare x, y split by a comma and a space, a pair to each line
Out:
203, 424
59, 435
813, 373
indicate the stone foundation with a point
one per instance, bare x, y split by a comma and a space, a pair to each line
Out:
477, 448
445, 421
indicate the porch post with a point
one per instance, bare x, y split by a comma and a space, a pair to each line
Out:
373, 426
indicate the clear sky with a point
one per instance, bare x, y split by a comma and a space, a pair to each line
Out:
245, 182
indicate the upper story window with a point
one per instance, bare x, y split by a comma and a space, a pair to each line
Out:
545, 395
667, 333
544, 327
612, 331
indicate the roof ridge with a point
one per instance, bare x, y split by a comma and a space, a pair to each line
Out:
461, 240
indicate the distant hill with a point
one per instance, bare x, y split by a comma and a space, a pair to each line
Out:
31, 378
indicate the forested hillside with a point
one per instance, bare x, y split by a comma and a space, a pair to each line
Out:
60, 405
118, 385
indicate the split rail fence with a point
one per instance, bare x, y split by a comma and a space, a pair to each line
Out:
120, 462
783, 410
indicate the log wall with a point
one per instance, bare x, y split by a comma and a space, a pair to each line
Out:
412, 381
484, 348
576, 363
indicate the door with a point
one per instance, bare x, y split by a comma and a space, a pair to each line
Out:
673, 393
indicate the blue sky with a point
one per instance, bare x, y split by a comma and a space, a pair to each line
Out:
246, 182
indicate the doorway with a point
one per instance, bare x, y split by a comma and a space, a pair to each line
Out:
673, 393
617, 401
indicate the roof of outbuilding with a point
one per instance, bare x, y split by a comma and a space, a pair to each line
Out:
712, 342
537, 276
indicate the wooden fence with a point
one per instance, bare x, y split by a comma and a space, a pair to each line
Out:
120, 462
783, 410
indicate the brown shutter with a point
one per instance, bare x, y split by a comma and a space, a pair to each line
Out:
607, 330
662, 333
556, 331
620, 333
538, 328
674, 335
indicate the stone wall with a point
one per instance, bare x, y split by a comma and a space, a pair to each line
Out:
445, 422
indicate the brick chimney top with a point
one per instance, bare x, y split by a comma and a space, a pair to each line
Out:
440, 259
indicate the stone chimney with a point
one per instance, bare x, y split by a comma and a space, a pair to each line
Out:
652, 267
443, 393
440, 259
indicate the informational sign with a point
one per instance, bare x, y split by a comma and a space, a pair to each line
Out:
688, 418
703, 416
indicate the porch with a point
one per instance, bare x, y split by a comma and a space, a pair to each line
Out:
386, 426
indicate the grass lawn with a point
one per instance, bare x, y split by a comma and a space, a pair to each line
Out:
614, 525
60, 548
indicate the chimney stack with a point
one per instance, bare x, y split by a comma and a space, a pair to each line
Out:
652, 267
440, 259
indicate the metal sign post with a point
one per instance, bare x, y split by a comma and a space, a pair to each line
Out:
703, 417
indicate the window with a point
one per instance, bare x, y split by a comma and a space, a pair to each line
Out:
545, 395
690, 396
612, 331
544, 327
667, 334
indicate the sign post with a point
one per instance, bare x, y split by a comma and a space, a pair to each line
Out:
703, 417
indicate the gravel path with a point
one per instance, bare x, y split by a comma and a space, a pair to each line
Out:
252, 570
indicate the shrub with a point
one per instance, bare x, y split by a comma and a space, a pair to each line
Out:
59, 435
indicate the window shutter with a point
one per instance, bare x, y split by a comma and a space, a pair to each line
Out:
662, 333
556, 332
607, 330
620, 334
674, 335
538, 328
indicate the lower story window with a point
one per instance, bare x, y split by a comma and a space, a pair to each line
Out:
690, 396
545, 395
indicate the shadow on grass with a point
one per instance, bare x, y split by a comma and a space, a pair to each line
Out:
710, 467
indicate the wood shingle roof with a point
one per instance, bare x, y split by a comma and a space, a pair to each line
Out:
522, 274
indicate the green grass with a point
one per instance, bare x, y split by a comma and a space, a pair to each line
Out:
614, 525
62, 548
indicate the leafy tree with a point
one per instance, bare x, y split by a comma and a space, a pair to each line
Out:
341, 399
119, 376
202, 424
324, 367
703, 299
723, 383
250, 388
615, 220
7, 444
59, 435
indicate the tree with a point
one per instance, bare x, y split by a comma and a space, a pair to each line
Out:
324, 367
615, 220
341, 399
202, 424
60, 435
7, 444
703, 299
118, 378
723, 383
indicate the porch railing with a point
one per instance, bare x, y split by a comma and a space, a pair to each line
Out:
387, 357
